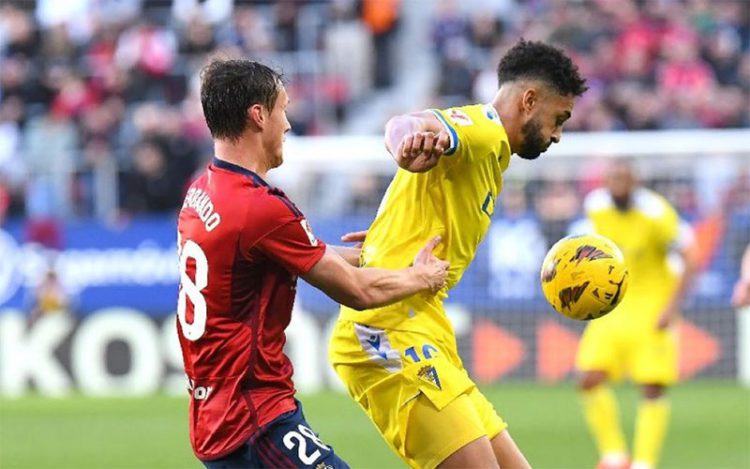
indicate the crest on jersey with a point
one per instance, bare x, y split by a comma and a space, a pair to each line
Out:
459, 117
428, 374
308, 231
322, 465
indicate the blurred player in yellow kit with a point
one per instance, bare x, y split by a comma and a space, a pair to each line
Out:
637, 339
400, 362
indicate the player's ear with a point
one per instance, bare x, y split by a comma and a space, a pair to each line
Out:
256, 116
529, 99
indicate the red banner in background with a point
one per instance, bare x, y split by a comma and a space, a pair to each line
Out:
496, 350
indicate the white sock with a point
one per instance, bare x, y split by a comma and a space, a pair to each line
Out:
640, 465
616, 459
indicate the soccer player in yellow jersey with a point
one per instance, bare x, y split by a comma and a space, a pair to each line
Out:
400, 362
637, 339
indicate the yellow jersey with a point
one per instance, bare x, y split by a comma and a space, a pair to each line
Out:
455, 199
647, 232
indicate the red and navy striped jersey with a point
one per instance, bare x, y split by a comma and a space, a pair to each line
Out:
242, 244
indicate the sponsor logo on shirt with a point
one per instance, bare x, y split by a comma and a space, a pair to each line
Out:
488, 206
199, 393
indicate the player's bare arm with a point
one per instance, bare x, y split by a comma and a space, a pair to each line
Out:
348, 253
355, 237
351, 253
672, 311
366, 288
416, 141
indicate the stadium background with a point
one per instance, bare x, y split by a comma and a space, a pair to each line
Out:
101, 131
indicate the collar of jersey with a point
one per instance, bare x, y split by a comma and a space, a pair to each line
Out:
238, 169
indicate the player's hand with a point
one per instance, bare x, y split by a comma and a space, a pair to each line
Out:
433, 270
420, 151
355, 237
741, 294
667, 318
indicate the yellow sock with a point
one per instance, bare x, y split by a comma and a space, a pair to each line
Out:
650, 430
603, 418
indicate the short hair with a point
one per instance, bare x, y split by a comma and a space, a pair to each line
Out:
540, 61
229, 87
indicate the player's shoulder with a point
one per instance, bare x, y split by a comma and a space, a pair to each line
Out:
267, 206
597, 200
470, 115
645, 201
652, 204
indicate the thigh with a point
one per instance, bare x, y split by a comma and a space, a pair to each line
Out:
433, 435
492, 423
600, 350
289, 442
504, 448
244, 457
655, 358
507, 453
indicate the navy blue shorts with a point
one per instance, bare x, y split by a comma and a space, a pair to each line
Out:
287, 442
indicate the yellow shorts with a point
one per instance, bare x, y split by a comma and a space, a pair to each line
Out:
414, 389
644, 354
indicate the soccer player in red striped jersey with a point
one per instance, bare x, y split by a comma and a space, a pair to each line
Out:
242, 245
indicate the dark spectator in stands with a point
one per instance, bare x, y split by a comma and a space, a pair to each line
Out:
152, 186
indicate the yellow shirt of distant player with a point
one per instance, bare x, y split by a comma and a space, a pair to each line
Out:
456, 200
645, 233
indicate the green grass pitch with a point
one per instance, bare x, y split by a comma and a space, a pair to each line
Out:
710, 428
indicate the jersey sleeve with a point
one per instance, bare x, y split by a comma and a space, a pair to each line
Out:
285, 236
472, 131
294, 246
674, 233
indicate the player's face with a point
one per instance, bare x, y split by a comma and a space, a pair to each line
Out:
545, 123
277, 129
620, 182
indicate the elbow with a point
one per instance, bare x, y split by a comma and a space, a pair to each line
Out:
363, 295
690, 260
361, 300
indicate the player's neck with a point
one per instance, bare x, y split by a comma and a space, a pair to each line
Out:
504, 102
244, 152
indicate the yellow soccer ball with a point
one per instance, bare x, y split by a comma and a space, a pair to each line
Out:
584, 276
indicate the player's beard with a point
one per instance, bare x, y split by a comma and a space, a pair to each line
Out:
533, 141
622, 202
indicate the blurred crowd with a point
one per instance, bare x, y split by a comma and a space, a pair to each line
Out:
103, 94
100, 114
651, 64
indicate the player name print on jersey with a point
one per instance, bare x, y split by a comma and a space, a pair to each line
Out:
201, 203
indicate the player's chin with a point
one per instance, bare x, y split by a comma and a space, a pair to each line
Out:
528, 155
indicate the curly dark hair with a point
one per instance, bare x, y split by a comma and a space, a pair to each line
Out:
229, 88
537, 60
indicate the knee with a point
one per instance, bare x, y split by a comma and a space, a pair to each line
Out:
591, 379
653, 391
